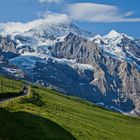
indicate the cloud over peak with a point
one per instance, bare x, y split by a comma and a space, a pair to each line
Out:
48, 18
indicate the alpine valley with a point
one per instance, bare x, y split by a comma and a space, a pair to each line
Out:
101, 69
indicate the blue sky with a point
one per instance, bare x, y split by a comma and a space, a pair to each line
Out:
98, 16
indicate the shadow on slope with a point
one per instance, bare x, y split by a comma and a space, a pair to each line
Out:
9, 94
24, 126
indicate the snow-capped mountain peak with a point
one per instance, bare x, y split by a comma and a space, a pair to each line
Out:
67, 58
98, 36
112, 34
57, 30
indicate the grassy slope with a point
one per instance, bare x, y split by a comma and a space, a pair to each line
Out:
9, 87
45, 114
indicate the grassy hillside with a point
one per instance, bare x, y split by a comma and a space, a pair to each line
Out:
10, 87
46, 114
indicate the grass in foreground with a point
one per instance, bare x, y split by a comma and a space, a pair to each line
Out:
46, 114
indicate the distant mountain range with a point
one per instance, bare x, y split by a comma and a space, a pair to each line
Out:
101, 69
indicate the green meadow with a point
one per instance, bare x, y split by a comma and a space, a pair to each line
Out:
45, 114
10, 88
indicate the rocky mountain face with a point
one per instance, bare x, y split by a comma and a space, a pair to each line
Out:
7, 51
101, 69
117, 79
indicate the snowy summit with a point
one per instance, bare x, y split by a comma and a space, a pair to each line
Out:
112, 34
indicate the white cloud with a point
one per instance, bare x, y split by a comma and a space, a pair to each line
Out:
49, 18
93, 12
130, 13
50, 1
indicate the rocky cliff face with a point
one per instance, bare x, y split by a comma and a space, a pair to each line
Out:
8, 51
7, 44
117, 80
101, 69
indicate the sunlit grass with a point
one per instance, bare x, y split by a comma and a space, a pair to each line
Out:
46, 114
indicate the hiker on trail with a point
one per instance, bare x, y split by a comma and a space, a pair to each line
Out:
24, 89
